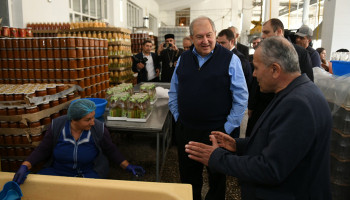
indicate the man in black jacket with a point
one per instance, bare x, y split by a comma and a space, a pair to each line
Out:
258, 101
227, 39
146, 64
240, 47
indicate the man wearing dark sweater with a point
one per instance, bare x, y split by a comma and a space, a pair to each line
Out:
208, 92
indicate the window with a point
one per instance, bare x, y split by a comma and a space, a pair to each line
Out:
87, 10
183, 17
134, 14
153, 24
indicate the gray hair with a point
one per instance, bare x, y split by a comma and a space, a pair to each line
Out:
279, 50
201, 18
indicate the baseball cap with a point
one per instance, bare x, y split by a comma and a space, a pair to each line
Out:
303, 31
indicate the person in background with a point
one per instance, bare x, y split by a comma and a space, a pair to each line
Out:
258, 100
207, 92
303, 39
226, 38
168, 53
186, 43
288, 154
255, 43
76, 145
146, 64
240, 47
326, 65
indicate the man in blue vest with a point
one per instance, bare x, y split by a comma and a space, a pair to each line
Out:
208, 92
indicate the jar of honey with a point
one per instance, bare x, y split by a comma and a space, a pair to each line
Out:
65, 73
51, 90
58, 64
63, 42
72, 63
72, 53
64, 53
80, 63
64, 64
43, 53
56, 42
79, 52
37, 74
49, 53
86, 52
58, 74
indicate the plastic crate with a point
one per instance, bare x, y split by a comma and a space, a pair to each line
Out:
341, 68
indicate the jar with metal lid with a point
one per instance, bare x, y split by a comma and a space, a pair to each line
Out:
2, 140
19, 151
3, 111
37, 137
70, 96
58, 64
28, 42
50, 64
43, 64
20, 110
72, 63
81, 72
30, 64
16, 139
4, 124
87, 62
72, 53
11, 111
22, 54
87, 71
24, 73
25, 139
70, 41
41, 92
93, 80
91, 52
87, 82
49, 42
82, 94
63, 99
81, 83
49, 53
54, 103
88, 91
93, 89
8, 139
64, 64
43, 53
44, 75
73, 74
45, 120
22, 125
63, 112
80, 63
3, 151
18, 96
64, 53
12, 164
32, 109
51, 90
34, 124
60, 87
86, 52
43, 106
9, 97
5, 165
56, 42
12, 124
27, 151
65, 73
54, 115
42, 42
79, 52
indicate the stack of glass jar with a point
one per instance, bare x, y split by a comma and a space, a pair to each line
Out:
74, 60
150, 89
23, 125
136, 41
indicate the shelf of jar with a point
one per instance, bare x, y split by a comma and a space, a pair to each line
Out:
115, 43
119, 56
119, 68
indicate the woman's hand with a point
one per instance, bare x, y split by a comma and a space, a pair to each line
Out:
225, 141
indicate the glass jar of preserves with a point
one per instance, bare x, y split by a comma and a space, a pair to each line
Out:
63, 112
64, 64
62, 99
60, 87
8, 139
27, 151
72, 63
54, 103
70, 96
64, 53
18, 150
45, 120
21, 110
12, 124
16, 139
4, 124
56, 42
43, 106
54, 115
32, 109
25, 140
34, 124
40, 93
72, 53
22, 125
3, 111
51, 90
63, 42
11, 111
37, 137
70, 41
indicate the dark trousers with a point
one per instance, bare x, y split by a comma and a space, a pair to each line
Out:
191, 171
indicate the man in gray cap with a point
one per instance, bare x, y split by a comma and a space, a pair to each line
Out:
303, 38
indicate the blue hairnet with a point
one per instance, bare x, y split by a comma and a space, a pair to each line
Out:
80, 108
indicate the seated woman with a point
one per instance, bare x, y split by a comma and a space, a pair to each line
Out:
326, 65
76, 145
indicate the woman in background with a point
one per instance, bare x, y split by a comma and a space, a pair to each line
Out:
326, 65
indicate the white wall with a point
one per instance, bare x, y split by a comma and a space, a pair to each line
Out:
44, 11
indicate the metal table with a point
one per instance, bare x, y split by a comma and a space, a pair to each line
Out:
159, 123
